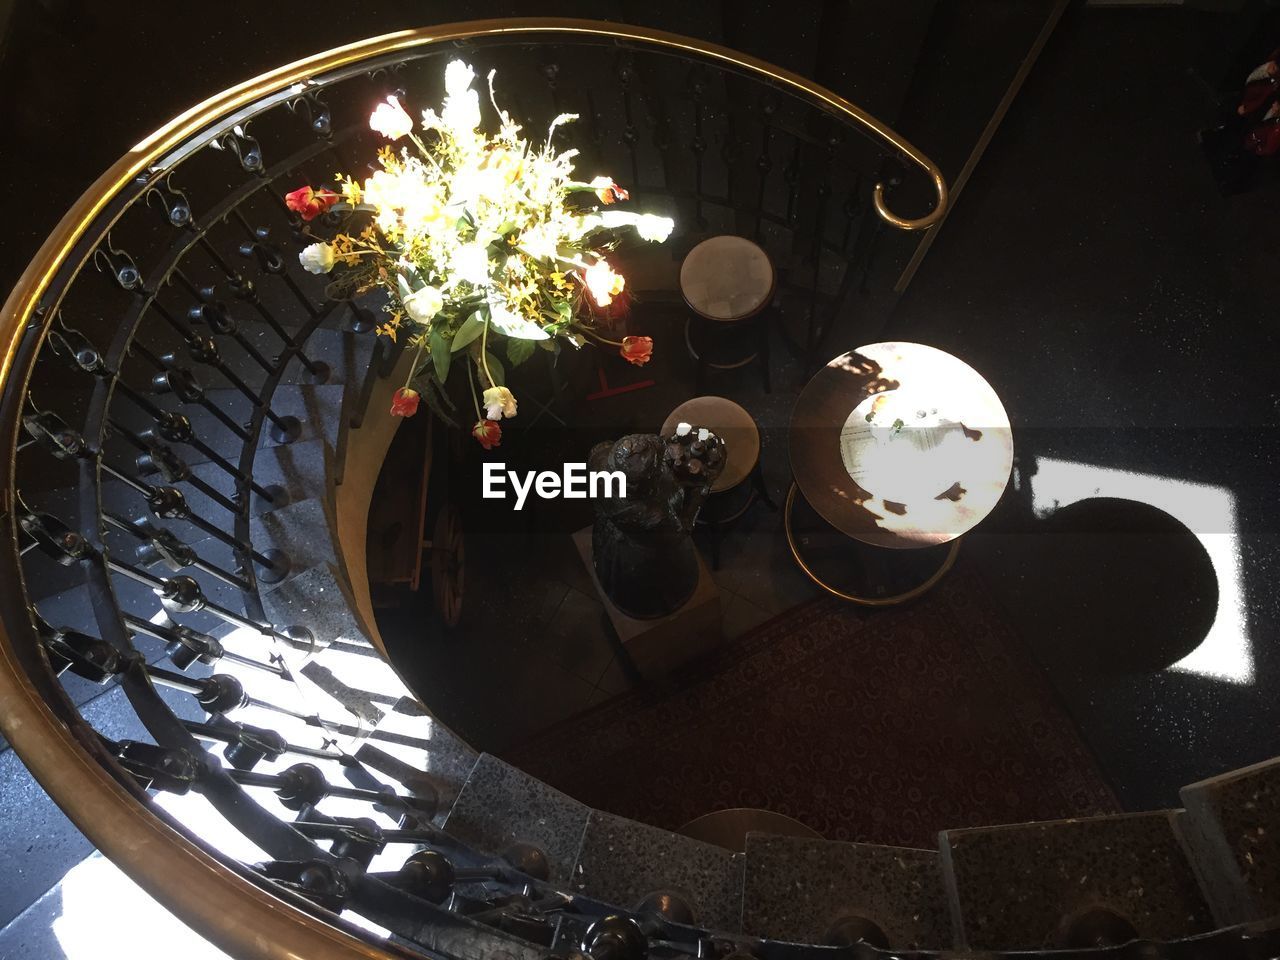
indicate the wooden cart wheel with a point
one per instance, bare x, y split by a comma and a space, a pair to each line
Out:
448, 564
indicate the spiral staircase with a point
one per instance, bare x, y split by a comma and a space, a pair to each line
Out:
190, 664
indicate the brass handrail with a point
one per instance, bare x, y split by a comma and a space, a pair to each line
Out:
229, 909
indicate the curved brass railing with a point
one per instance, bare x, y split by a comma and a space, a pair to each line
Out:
236, 914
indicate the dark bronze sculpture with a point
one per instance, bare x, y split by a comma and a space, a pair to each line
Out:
640, 544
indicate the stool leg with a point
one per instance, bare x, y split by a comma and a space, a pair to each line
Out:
762, 491
713, 535
764, 349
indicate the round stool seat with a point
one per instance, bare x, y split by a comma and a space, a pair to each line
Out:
729, 828
726, 278
732, 424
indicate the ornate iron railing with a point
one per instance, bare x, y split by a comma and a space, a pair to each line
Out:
148, 352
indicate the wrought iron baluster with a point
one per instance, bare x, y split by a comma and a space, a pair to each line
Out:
183, 594
154, 457
168, 503
764, 164
182, 383
630, 135
158, 545
197, 646
176, 428
698, 143
212, 312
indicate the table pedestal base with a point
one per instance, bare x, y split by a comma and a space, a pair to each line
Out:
884, 577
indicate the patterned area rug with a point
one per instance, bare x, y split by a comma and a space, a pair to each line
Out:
883, 727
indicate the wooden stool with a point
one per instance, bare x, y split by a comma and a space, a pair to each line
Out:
728, 283
741, 482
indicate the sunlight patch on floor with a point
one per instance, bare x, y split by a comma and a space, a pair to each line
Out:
1208, 512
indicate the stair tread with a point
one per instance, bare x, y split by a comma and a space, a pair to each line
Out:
1232, 831
318, 599
66, 921
500, 805
303, 530
796, 888
37, 841
1132, 862
301, 468
622, 861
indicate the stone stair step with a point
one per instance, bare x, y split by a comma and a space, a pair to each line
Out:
622, 862
1231, 829
318, 599
302, 530
500, 805
301, 468
797, 889
1013, 887
38, 844
66, 920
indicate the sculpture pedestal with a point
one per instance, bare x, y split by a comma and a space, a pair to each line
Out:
660, 645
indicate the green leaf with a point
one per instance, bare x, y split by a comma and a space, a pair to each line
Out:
402, 286
518, 351
471, 328
440, 354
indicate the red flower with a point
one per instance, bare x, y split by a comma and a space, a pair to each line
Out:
488, 433
310, 203
405, 402
637, 350
611, 193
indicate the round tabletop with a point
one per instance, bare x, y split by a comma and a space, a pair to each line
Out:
900, 445
726, 278
730, 423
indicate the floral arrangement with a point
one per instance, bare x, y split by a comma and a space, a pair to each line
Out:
479, 241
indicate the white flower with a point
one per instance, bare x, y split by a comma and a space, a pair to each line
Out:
423, 304
682, 429
704, 434
603, 283
498, 403
457, 77
461, 110
390, 119
317, 258
654, 228
471, 263
650, 227
511, 324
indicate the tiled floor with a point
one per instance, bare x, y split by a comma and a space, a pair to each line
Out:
1123, 311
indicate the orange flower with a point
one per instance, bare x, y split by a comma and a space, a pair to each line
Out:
636, 350
309, 203
405, 402
488, 433
608, 191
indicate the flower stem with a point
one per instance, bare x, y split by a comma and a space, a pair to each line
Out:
471, 376
413, 367
592, 335
484, 351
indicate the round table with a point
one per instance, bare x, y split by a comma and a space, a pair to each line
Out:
899, 446
727, 281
